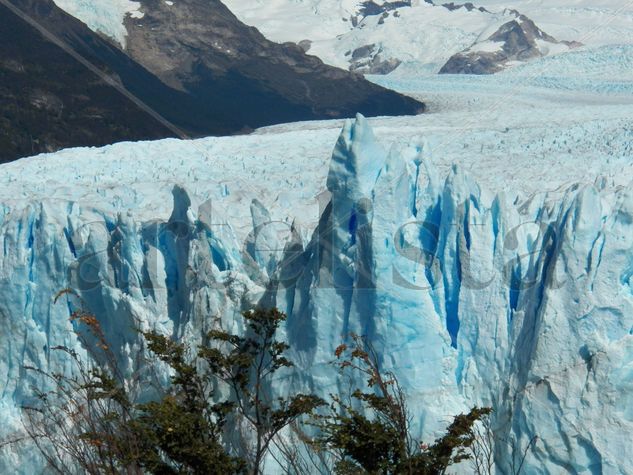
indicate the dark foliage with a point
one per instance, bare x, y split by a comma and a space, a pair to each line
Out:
217, 415
247, 365
88, 423
370, 432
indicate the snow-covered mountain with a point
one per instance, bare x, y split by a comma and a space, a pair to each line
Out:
347, 34
422, 35
485, 248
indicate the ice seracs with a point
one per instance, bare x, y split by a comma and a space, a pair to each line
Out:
471, 298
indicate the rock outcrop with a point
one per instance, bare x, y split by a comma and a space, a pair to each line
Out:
516, 41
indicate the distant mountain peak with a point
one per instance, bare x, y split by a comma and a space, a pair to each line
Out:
518, 40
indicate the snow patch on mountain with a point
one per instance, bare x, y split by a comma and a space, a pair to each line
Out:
105, 17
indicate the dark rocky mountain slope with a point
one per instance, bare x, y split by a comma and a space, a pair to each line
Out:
197, 66
48, 100
200, 47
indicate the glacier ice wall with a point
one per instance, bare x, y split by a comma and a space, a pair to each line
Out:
469, 297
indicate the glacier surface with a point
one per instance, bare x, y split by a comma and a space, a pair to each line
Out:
485, 248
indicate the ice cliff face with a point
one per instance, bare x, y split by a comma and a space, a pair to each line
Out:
469, 297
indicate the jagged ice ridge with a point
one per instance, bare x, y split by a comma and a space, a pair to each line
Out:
470, 298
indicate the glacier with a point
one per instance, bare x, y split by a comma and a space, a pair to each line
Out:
470, 298
487, 256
